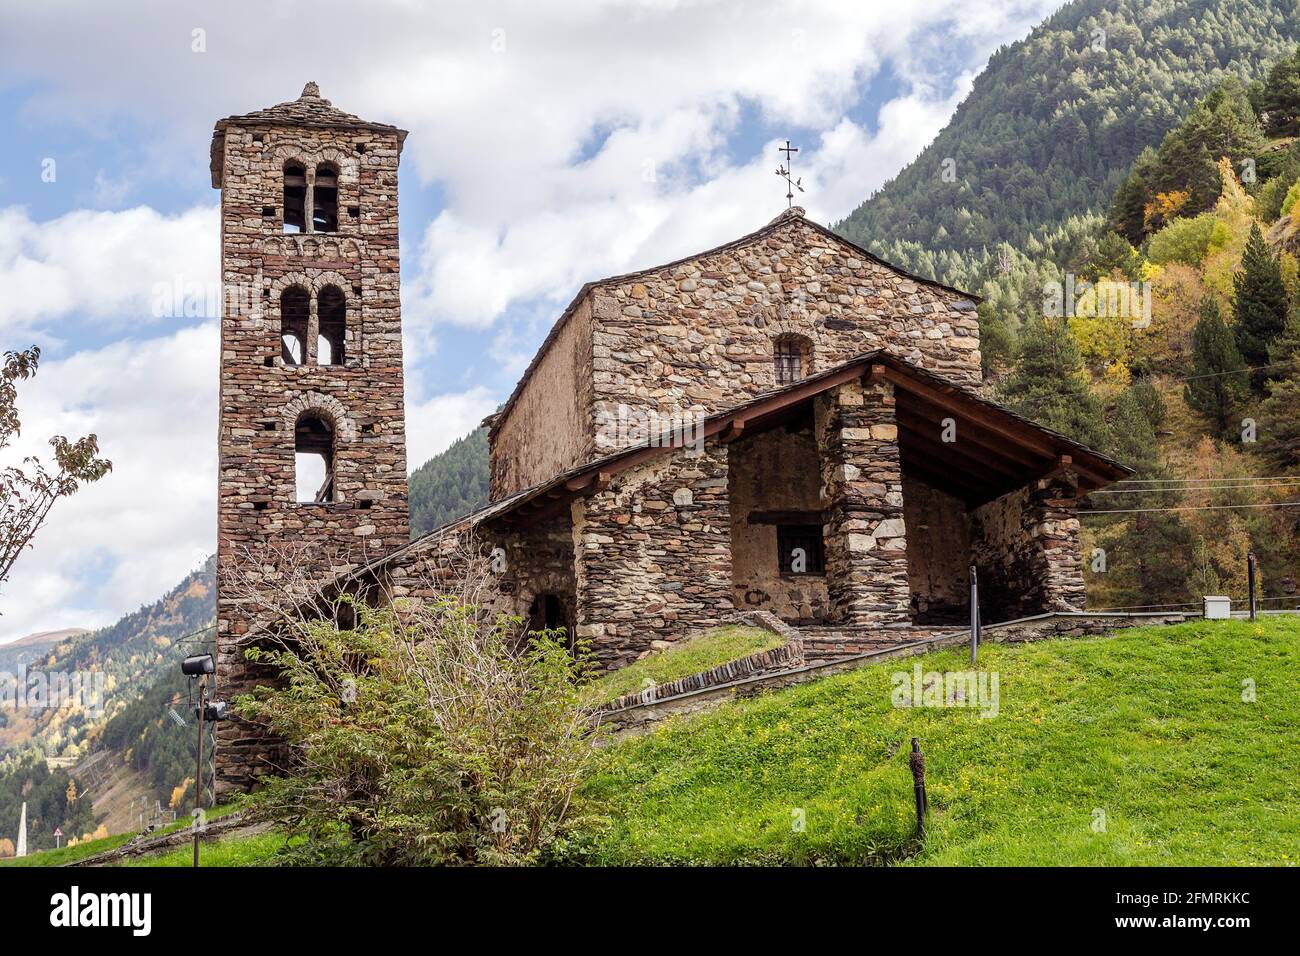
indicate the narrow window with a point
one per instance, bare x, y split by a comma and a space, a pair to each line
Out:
799, 548
314, 459
295, 308
325, 200
331, 311
295, 197
788, 358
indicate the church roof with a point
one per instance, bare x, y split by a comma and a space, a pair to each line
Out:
310, 110
792, 214
998, 450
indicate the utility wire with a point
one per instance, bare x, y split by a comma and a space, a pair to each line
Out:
1130, 511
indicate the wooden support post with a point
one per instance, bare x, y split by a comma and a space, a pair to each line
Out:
916, 760
1250, 581
974, 616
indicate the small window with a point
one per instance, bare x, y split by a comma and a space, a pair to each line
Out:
325, 200
799, 548
295, 308
295, 197
314, 459
788, 359
331, 310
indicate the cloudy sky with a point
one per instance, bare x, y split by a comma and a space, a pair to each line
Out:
550, 144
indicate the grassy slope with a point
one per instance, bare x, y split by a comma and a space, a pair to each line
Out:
68, 854
259, 849
1148, 726
698, 654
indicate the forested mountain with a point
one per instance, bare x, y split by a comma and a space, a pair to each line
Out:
54, 802
450, 484
1054, 121
132, 653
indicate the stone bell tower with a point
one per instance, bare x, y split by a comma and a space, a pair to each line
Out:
312, 442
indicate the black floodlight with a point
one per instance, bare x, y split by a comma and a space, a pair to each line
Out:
198, 665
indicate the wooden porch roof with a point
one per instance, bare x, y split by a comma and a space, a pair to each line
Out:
996, 450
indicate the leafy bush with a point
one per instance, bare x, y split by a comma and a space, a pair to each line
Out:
422, 736
1187, 240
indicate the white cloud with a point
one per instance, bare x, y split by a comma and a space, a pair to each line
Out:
539, 120
126, 539
432, 425
105, 266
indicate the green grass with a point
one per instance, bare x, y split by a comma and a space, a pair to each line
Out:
259, 849
699, 653
1147, 726
70, 854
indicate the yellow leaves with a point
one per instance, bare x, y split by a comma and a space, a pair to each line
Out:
1164, 207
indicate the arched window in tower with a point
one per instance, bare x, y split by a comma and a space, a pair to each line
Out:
331, 312
325, 199
295, 313
295, 197
790, 355
313, 459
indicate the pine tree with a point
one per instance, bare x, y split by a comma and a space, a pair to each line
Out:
1280, 98
1280, 412
1049, 384
1217, 386
1259, 304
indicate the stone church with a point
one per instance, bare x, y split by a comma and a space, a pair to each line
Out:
781, 423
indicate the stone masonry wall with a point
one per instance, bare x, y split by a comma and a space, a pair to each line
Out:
866, 543
653, 554
261, 397
1027, 552
549, 432
775, 471
699, 335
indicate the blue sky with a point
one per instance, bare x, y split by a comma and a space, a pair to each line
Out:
550, 144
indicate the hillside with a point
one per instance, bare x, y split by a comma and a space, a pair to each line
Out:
1053, 122
14, 654
133, 653
1154, 746
451, 484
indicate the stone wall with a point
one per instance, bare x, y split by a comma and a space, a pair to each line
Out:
653, 554
1027, 552
771, 473
698, 336
865, 533
549, 430
261, 397
938, 553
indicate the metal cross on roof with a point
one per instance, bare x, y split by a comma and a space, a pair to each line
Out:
784, 172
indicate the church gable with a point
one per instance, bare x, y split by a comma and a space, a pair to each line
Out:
713, 330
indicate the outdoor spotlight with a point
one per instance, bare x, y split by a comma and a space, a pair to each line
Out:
213, 710
198, 665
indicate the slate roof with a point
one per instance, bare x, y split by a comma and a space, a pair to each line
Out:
310, 110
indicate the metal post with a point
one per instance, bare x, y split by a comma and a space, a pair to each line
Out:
1250, 580
974, 615
916, 760
198, 775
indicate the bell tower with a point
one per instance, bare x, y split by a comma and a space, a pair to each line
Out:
312, 442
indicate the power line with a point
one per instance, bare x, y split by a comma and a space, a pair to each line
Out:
1130, 511
1290, 483
1235, 371
1200, 481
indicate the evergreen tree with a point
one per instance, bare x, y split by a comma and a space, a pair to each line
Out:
1049, 384
1259, 304
1217, 386
1280, 412
1279, 100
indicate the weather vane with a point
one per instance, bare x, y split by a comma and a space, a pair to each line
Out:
784, 172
